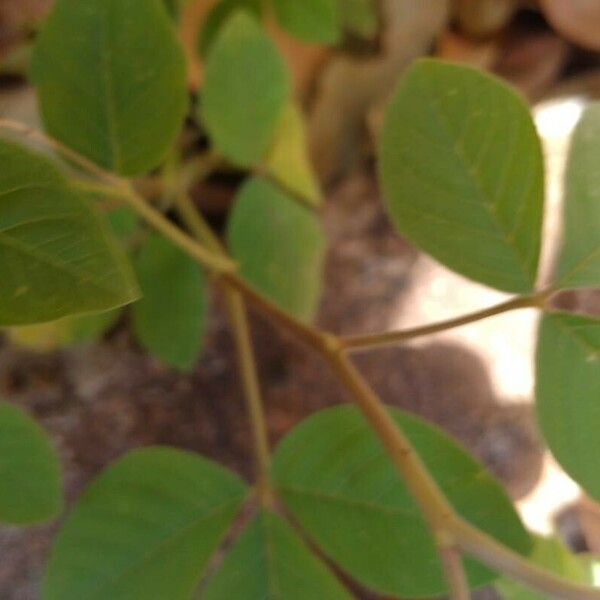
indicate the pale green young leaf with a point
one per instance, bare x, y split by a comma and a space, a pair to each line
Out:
311, 20
246, 84
45, 337
579, 261
144, 529
567, 392
170, 318
287, 160
30, 491
462, 173
551, 554
57, 255
336, 478
279, 246
269, 560
111, 81
219, 15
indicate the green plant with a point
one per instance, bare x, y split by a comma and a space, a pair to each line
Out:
389, 499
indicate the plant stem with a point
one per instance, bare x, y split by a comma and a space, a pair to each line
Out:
238, 317
425, 490
369, 341
215, 262
120, 188
486, 549
453, 567
71, 155
247, 365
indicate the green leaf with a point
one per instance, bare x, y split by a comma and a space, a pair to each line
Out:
287, 160
219, 15
462, 173
567, 392
279, 246
111, 81
311, 20
554, 556
124, 221
57, 256
270, 561
245, 88
579, 262
360, 17
170, 318
29, 470
175, 7
335, 477
144, 529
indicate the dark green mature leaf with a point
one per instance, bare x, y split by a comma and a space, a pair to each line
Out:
30, 491
579, 262
219, 15
567, 392
279, 246
144, 529
245, 88
111, 81
551, 554
170, 318
57, 256
335, 477
310, 20
270, 561
462, 173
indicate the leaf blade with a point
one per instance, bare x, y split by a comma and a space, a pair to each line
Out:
245, 87
29, 470
287, 159
312, 20
170, 318
58, 257
567, 386
452, 142
101, 92
335, 477
279, 246
270, 561
579, 259
144, 529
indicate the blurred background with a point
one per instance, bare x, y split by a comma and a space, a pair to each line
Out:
100, 400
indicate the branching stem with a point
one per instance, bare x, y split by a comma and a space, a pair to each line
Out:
444, 522
368, 342
452, 564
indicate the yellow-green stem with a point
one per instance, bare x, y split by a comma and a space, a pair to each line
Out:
370, 341
238, 317
452, 564
435, 507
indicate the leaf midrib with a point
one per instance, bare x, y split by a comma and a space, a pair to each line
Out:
489, 207
98, 593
